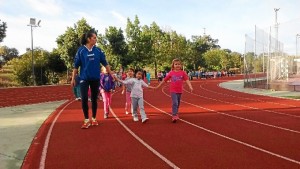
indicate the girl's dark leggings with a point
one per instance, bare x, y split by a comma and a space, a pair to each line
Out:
84, 87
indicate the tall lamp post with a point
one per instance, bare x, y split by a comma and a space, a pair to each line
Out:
296, 56
297, 36
276, 31
32, 24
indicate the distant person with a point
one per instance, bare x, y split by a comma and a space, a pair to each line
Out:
136, 95
145, 76
107, 86
88, 59
177, 77
127, 90
148, 76
76, 88
159, 76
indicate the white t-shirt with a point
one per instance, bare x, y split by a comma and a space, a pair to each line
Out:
137, 86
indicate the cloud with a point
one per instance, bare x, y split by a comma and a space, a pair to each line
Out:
47, 7
120, 17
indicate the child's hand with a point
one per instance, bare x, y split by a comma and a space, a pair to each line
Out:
191, 89
122, 92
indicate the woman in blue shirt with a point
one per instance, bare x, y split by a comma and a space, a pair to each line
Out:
88, 59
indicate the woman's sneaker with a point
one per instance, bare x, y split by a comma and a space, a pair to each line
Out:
86, 124
94, 122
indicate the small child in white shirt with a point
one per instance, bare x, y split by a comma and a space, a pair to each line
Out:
137, 95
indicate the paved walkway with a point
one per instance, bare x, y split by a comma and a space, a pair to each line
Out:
237, 85
19, 124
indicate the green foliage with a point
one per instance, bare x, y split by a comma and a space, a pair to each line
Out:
55, 63
8, 53
144, 46
3, 27
22, 67
69, 42
115, 47
216, 59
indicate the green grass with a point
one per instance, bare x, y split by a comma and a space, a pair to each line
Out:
293, 97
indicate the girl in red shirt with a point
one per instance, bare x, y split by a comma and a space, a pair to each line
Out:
177, 76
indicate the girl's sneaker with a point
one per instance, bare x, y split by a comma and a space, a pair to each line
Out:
175, 118
86, 124
105, 115
94, 122
145, 120
135, 118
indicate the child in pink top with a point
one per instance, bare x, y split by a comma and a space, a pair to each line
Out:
107, 86
177, 77
127, 90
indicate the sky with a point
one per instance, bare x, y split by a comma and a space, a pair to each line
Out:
225, 20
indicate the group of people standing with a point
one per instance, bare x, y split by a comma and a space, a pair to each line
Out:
87, 65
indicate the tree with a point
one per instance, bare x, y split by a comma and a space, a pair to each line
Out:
69, 42
3, 27
216, 59
22, 67
198, 46
135, 44
55, 66
8, 53
55, 63
115, 47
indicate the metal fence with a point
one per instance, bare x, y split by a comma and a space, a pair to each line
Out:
265, 63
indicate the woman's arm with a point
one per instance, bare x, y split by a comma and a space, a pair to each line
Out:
74, 73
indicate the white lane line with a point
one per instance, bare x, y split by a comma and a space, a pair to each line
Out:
240, 105
283, 104
240, 118
171, 164
231, 139
288, 105
45, 148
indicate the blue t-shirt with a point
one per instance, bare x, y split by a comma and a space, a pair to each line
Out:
89, 62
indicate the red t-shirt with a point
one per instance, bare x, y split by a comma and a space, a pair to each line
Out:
177, 79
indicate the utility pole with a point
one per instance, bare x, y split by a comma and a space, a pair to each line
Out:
32, 24
276, 30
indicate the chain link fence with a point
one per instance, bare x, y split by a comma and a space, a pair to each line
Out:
266, 64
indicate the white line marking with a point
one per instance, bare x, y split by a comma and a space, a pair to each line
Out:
240, 105
171, 164
45, 148
241, 118
231, 139
260, 95
257, 100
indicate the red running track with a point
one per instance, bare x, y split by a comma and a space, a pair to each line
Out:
219, 128
30, 95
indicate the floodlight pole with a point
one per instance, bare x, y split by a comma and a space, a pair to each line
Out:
33, 24
276, 30
297, 36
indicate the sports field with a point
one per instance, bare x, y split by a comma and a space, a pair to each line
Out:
218, 128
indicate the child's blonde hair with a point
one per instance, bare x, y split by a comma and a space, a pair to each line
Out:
103, 69
173, 62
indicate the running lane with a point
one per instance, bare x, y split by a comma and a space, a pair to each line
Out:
105, 146
196, 146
